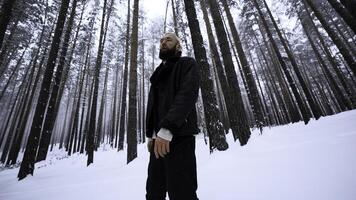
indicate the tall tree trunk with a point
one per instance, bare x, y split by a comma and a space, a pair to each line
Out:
51, 113
213, 123
124, 85
314, 107
325, 48
100, 128
132, 113
12, 121
334, 86
5, 15
291, 113
13, 73
25, 110
226, 97
8, 115
82, 135
303, 109
338, 92
87, 118
239, 126
333, 35
253, 94
344, 13
350, 5
92, 124
175, 23
114, 111
28, 162
165, 18
101, 123
7, 55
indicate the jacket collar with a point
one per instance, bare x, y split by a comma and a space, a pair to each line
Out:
163, 70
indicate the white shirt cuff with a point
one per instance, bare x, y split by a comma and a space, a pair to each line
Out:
165, 134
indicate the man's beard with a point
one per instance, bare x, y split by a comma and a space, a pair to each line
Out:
166, 54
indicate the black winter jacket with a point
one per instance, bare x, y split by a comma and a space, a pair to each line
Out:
172, 97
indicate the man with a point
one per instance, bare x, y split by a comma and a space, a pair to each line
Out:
171, 124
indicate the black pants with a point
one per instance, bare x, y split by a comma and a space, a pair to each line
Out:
175, 173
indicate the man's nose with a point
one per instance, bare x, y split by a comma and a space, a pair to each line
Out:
163, 44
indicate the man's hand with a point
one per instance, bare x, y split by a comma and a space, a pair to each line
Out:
161, 147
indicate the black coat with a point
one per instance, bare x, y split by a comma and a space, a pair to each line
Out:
172, 97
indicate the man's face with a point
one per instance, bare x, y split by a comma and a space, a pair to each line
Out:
167, 43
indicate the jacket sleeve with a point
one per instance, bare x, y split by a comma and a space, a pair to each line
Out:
185, 98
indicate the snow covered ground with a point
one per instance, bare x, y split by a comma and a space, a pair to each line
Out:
292, 162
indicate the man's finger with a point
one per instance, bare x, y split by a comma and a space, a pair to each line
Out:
164, 150
156, 149
167, 147
161, 147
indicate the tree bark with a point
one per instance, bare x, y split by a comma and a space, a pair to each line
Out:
333, 35
344, 13
52, 112
124, 85
90, 143
5, 15
253, 94
132, 113
27, 165
350, 5
314, 107
303, 109
240, 127
213, 123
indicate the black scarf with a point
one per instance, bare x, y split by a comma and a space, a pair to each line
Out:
163, 70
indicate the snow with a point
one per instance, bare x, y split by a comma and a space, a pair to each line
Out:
294, 162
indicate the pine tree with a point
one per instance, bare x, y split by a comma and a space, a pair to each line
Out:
124, 81
252, 94
5, 15
333, 35
132, 114
90, 140
239, 126
27, 165
344, 13
213, 123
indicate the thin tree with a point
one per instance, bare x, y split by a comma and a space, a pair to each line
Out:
132, 113
124, 81
90, 140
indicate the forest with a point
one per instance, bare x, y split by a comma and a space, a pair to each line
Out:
75, 74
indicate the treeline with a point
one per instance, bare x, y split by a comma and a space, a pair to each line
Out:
74, 74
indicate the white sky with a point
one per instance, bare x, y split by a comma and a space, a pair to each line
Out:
154, 8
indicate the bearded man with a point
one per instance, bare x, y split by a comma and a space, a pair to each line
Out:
171, 124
